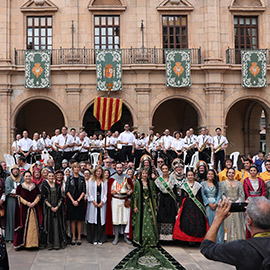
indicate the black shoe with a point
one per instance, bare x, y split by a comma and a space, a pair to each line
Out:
79, 242
73, 243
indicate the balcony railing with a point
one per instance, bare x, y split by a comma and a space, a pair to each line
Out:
83, 56
233, 56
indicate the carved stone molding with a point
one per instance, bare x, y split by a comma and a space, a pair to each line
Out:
175, 5
39, 6
106, 5
247, 5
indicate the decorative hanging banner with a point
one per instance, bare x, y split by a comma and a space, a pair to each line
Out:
178, 68
254, 68
37, 69
107, 111
109, 70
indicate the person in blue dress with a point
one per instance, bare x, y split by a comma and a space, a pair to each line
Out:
211, 194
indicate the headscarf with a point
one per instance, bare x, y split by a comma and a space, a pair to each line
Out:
201, 176
37, 181
18, 178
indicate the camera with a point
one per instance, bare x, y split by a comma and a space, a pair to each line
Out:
238, 207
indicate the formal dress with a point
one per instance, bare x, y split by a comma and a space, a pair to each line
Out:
234, 224
210, 195
27, 220
54, 222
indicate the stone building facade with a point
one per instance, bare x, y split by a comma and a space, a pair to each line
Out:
215, 99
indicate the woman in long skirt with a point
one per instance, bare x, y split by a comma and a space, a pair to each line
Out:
234, 225
53, 214
96, 207
211, 193
191, 223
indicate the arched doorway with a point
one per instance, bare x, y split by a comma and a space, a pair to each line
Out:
91, 124
37, 116
175, 114
247, 122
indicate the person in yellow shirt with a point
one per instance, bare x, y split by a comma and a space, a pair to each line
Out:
265, 176
245, 172
223, 174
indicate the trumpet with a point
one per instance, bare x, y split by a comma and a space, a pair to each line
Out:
203, 145
219, 147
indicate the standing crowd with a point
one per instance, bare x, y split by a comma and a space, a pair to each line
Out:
141, 188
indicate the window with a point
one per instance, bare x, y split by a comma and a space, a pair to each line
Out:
107, 32
245, 32
175, 32
39, 33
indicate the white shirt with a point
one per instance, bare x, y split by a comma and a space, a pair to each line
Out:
189, 141
15, 145
109, 140
217, 140
140, 143
202, 139
84, 143
37, 145
77, 141
61, 140
46, 142
53, 140
25, 144
127, 137
166, 141
147, 139
95, 144
178, 144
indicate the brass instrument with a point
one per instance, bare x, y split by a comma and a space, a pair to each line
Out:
219, 147
203, 145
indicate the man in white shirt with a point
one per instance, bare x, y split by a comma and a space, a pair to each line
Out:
46, 142
64, 143
220, 143
190, 145
25, 146
54, 149
111, 143
83, 148
166, 143
15, 147
127, 140
139, 147
204, 144
178, 146
37, 147
76, 142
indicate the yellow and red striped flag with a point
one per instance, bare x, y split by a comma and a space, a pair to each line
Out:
107, 111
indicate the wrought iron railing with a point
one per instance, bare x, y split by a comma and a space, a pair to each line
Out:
233, 56
83, 56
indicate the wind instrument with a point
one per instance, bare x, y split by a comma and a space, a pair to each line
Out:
219, 147
203, 145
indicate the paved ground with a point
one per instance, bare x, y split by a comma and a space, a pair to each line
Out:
103, 257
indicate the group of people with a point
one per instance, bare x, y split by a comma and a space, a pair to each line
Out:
54, 204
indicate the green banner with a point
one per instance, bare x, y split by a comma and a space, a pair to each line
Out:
37, 69
254, 68
109, 70
178, 68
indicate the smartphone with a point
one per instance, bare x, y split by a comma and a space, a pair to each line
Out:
238, 207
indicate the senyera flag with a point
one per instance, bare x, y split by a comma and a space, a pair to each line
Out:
107, 111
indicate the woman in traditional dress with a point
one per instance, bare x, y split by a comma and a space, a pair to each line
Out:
2, 199
253, 185
211, 193
53, 214
96, 208
37, 178
148, 255
191, 223
75, 191
167, 204
59, 179
12, 182
107, 174
28, 214
234, 225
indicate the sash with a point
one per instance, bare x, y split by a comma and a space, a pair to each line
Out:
170, 192
194, 199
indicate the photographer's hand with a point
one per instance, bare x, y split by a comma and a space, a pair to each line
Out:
222, 212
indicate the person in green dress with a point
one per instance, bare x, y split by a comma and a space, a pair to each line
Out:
148, 254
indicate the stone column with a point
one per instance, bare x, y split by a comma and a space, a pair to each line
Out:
5, 138
143, 108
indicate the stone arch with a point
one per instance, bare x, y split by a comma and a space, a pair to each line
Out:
44, 105
245, 131
127, 115
192, 109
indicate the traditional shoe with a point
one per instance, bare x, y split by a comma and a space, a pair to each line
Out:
126, 240
79, 242
115, 241
73, 243
100, 243
95, 243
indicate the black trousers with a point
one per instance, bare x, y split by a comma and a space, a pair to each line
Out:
174, 155
205, 155
220, 157
126, 153
28, 158
111, 153
189, 155
138, 154
82, 156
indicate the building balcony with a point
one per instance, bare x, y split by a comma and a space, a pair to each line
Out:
130, 56
233, 56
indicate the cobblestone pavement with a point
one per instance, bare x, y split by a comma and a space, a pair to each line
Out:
103, 257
